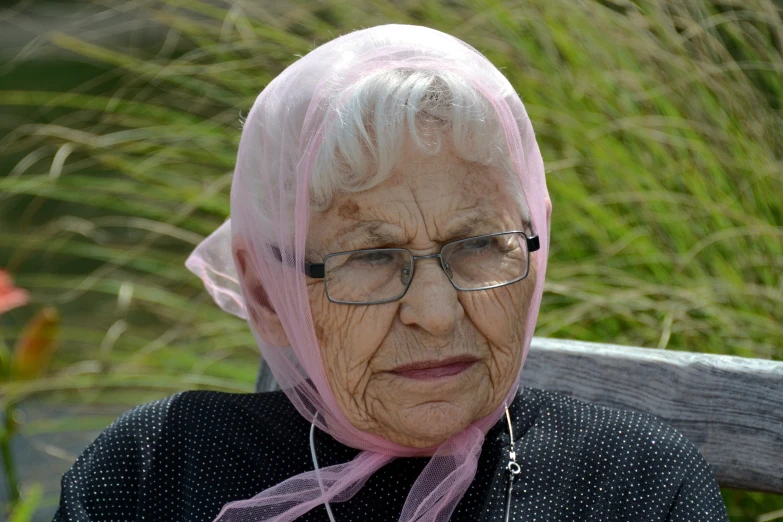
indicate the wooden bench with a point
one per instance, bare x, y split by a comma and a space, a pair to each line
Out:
731, 408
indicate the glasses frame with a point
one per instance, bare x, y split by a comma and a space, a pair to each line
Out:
318, 270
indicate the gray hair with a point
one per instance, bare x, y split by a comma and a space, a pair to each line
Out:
364, 139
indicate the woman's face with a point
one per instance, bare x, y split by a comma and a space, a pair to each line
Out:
428, 201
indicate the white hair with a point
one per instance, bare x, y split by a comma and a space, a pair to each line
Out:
369, 121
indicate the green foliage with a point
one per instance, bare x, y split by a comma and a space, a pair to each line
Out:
25, 510
660, 124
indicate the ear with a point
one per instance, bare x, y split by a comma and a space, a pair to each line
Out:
259, 308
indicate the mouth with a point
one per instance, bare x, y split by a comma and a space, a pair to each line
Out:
435, 369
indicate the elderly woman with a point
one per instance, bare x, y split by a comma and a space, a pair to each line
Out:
387, 245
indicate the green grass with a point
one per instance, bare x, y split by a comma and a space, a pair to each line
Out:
660, 124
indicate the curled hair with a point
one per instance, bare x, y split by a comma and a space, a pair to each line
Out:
364, 137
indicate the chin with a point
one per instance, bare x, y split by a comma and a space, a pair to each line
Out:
432, 423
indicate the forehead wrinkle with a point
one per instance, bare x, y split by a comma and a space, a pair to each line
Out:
368, 231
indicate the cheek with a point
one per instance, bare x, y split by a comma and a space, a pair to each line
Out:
500, 314
348, 338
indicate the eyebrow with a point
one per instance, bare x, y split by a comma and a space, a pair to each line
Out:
467, 226
473, 221
370, 232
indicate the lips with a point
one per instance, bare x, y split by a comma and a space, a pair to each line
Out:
435, 369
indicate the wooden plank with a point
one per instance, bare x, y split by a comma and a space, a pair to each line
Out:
731, 408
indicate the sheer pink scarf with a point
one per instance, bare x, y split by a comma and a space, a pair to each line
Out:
270, 206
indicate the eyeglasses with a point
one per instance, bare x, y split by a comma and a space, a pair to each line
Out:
383, 275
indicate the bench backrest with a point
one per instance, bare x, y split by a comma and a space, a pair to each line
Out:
731, 408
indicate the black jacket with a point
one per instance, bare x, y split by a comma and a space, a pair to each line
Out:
183, 457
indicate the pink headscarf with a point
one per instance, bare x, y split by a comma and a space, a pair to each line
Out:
270, 206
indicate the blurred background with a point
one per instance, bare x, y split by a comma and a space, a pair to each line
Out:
660, 122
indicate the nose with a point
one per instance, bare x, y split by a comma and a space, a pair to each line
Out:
431, 301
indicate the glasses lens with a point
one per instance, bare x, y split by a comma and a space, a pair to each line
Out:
367, 276
487, 261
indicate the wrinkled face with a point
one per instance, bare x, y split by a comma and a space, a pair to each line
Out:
374, 354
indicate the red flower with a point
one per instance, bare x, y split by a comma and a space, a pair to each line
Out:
10, 296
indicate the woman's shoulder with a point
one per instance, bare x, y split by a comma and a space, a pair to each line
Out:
153, 448
198, 410
638, 458
636, 448
603, 427
188, 420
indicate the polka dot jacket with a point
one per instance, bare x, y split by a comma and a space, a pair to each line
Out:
183, 457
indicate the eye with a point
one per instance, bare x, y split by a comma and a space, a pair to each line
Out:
477, 245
